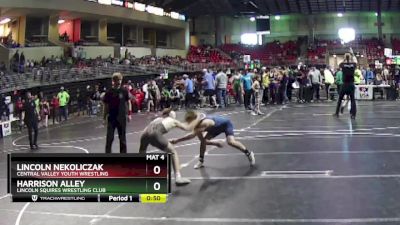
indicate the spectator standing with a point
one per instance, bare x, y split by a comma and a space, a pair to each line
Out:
63, 98
138, 97
31, 118
19, 106
88, 100
55, 105
152, 96
246, 86
289, 86
265, 85
357, 76
189, 91
80, 98
257, 96
348, 87
273, 85
96, 98
282, 89
117, 106
165, 98
369, 76
21, 64
45, 111
316, 81
175, 99
221, 82
145, 91
237, 87
339, 80
209, 87
329, 80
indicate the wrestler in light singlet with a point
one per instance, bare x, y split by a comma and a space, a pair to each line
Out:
154, 135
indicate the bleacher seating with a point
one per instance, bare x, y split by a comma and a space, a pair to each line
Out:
203, 54
10, 81
396, 46
271, 53
374, 49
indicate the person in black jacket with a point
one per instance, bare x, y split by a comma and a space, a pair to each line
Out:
117, 106
31, 118
348, 88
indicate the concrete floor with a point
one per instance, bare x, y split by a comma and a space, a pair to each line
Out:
361, 188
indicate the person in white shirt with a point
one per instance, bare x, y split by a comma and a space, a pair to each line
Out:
221, 82
316, 80
385, 74
146, 91
329, 80
175, 97
236, 80
257, 96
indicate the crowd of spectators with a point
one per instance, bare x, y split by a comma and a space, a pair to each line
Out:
213, 87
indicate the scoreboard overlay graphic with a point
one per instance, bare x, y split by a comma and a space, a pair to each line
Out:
89, 177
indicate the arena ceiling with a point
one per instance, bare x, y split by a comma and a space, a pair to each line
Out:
272, 7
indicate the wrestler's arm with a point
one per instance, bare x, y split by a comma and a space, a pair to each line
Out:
191, 135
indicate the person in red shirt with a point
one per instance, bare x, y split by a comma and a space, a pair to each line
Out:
55, 105
138, 98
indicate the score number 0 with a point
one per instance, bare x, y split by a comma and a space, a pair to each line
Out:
156, 170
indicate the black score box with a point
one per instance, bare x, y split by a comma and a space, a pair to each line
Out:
119, 198
143, 198
55, 198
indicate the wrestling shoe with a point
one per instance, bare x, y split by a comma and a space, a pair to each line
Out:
252, 158
342, 109
182, 181
254, 113
198, 165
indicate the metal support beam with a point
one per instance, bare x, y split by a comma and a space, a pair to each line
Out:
263, 7
288, 6
277, 6
298, 5
379, 20
336, 9
370, 5
326, 4
309, 7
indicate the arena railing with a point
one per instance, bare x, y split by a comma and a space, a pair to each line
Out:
59, 74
